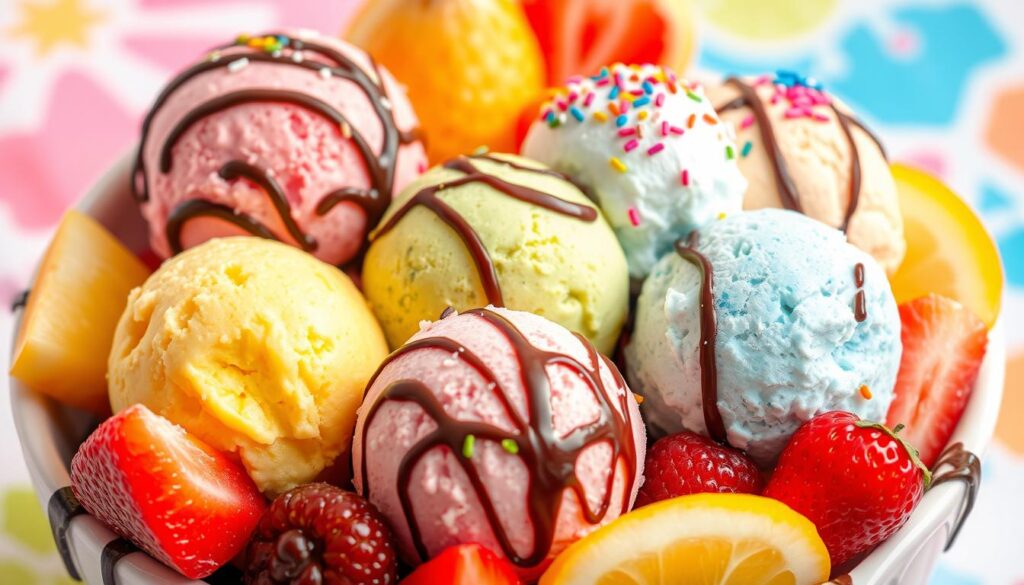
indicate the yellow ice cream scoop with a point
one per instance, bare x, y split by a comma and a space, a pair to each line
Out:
257, 348
502, 230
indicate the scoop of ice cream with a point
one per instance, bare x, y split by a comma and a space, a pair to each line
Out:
804, 323
257, 348
802, 149
501, 428
299, 138
502, 230
651, 149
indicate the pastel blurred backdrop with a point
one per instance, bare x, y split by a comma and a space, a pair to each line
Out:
942, 81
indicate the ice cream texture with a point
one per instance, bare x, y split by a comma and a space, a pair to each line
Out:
501, 428
496, 229
803, 149
296, 137
255, 347
651, 149
805, 323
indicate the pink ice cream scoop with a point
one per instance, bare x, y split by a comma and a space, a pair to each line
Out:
500, 428
295, 137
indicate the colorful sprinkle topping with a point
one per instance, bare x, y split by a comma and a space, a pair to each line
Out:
746, 149
865, 392
510, 446
634, 216
634, 98
467, 446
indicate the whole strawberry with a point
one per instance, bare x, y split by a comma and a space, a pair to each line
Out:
688, 463
317, 533
857, 481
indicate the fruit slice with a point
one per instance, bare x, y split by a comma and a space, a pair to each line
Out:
733, 539
465, 564
169, 493
470, 67
578, 37
948, 250
78, 296
943, 347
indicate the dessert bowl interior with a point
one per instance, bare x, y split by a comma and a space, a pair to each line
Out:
50, 433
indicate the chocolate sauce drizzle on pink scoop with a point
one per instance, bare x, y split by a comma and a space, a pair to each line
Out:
708, 335
380, 166
784, 182
550, 460
428, 197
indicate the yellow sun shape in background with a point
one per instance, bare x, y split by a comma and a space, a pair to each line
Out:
57, 22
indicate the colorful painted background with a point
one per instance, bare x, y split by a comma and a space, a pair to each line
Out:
942, 81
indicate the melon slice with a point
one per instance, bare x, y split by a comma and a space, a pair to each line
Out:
79, 295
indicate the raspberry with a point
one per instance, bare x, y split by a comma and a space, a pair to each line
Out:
317, 533
689, 463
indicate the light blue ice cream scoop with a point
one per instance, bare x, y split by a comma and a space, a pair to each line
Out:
791, 337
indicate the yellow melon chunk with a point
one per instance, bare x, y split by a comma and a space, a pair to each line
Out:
73, 308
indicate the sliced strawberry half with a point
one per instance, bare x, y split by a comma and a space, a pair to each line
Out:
578, 37
465, 564
943, 346
170, 494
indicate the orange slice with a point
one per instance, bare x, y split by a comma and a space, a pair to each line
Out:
948, 250
704, 539
74, 306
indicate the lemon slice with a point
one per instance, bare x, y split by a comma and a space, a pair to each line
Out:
704, 539
948, 250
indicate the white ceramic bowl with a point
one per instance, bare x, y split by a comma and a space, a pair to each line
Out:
50, 434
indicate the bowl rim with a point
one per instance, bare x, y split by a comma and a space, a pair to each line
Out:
88, 540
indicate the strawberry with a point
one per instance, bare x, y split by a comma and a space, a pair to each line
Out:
856, 480
943, 346
464, 564
688, 463
151, 482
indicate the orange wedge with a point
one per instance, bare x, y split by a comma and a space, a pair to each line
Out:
704, 539
948, 250
74, 306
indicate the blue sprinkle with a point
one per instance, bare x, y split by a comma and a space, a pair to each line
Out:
576, 113
550, 116
648, 88
614, 93
642, 102
283, 40
621, 120
746, 148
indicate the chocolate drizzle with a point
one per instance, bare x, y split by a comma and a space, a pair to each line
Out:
966, 467
428, 197
788, 193
20, 301
708, 335
61, 509
860, 307
114, 551
380, 166
549, 459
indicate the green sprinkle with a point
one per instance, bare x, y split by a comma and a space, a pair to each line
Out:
467, 446
729, 154
746, 148
510, 445
693, 96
